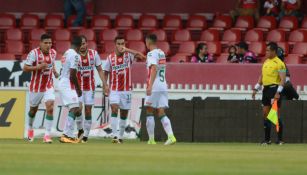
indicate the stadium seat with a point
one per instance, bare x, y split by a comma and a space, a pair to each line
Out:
29, 21
288, 23
222, 22
137, 45
35, 34
300, 49
7, 21
297, 36
244, 22
253, 35
54, 22
62, 46
14, 47
186, 48
304, 23
34, 44
179, 58
223, 58
88, 33
14, 34
284, 46
293, 59
196, 22
92, 45
276, 36
100, 22
148, 22
108, 35
124, 22
231, 36
161, 34
172, 22
214, 48
62, 35
108, 47
181, 36
164, 46
210, 35
258, 48
266, 23
7, 56
134, 35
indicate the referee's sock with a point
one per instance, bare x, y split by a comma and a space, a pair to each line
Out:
281, 127
267, 130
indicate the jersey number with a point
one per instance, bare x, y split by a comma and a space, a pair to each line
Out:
162, 75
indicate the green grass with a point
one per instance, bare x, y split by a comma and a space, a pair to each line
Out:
133, 157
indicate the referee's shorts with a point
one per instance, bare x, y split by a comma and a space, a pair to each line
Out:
268, 94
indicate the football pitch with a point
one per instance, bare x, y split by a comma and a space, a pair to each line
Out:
134, 157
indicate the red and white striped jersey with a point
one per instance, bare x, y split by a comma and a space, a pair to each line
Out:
41, 79
120, 71
86, 70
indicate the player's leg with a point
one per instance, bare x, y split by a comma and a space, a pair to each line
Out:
125, 106
114, 99
89, 98
49, 98
35, 100
150, 120
79, 119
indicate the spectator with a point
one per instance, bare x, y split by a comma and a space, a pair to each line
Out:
233, 56
246, 56
202, 55
290, 8
246, 8
271, 8
79, 7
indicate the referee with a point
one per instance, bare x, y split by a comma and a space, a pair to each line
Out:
272, 78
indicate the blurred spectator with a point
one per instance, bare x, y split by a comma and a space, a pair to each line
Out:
233, 56
246, 8
271, 8
79, 7
246, 56
290, 8
202, 55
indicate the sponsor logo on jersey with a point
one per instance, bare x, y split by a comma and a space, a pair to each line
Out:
85, 68
120, 67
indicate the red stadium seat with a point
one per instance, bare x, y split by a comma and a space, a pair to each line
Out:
161, 34
14, 34
288, 23
109, 47
88, 33
148, 22
62, 46
253, 35
35, 34
134, 35
29, 21
138, 46
223, 58
222, 22
181, 36
7, 56
172, 22
179, 58
62, 35
276, 36
54, 22
7, 21
164, 46
304, 23
34, 44
108, 35
284, 46
124, 22
293, 59
244, 22
231, 36
100, 22
214, 48
210, 35
258, 48
187, 48
92, 45
300, 49
14, 47
196, 22
297, 36
267, 23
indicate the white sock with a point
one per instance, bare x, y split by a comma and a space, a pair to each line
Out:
69, 125
48, 125
150, 125
79, 122
122, 127
87, 126
114, 124
167, 125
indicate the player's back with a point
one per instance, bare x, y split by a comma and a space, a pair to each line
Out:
70, 60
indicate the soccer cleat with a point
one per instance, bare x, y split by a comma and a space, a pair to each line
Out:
116, 140
151, 142
65, 139
30, 135
80, 134
121, 140
171, 140
265, 143
47, 139
84, 140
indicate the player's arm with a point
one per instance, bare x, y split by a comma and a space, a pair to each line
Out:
28, 66
282, 75
153, 74
55, 73
74, 80
257, 87
137, 54
104, 78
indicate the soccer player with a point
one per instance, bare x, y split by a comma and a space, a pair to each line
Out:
157, 97
40, 61
69, 89
89, 60
118, 65
273, 79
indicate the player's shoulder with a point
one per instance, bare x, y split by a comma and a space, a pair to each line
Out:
93, 51
53, 51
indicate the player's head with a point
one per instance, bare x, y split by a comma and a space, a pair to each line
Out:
242, 47
201, 49
76, 43
45, 43
271, 50
151, 41
83, 47
120, 43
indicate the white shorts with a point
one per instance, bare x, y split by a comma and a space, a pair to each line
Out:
37, 97
69, 98
157, 100
87, 97
121, 98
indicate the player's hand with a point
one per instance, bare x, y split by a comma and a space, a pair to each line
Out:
148, 91
42, 66
254, 94
106, 90
79, 92
277, 96
124, 49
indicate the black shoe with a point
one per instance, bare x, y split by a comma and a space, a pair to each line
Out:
280, 142
84, 140
264, 143
121, 140
80, 134
115, 140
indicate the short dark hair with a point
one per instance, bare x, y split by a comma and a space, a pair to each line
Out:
152, 37
243, 45
83, 37
199, 47
76, 41
45, 36
119, 37
273, 46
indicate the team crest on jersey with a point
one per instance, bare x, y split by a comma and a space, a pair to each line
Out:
47, 58
120, 59
84, 61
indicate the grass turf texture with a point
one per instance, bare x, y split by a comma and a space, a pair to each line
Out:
133, 157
